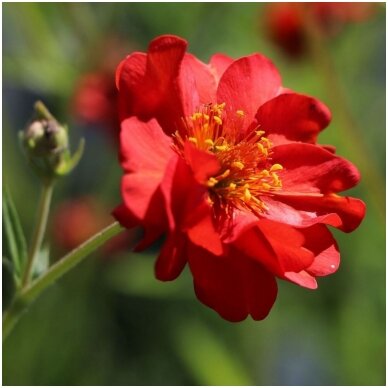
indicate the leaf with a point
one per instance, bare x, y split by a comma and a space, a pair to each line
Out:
9, 284
15, 242
42, 262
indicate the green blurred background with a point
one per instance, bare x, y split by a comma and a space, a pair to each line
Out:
109, 322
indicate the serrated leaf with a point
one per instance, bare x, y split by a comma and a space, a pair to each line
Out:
42, 262
9, 284
15, 242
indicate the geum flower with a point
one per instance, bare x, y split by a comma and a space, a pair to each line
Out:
286, 23
223, 161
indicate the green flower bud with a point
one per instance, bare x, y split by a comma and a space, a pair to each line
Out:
46, 144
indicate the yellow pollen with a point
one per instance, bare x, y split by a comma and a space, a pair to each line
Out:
265, 173
222, 148
276, 167
238, 165
266, 186
212, 182
247, 195
193, 140
260, 133
206, 117
209, 142
240, 113
232, 186
217, 120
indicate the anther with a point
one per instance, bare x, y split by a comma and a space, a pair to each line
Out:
238, 165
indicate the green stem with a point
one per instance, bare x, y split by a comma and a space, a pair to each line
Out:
362, 157
40, 229
28, 294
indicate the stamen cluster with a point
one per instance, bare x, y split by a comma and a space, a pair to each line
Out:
246, 171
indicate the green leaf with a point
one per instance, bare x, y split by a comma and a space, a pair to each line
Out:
15, 242
9, 284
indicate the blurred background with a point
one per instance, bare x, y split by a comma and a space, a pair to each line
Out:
109, 322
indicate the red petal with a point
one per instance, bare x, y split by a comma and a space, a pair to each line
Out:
166, 84
187, 208
144, 146
172, 258
345, 213
247, 84
203, 164
219, 63
320, 241
294, 117
302, 279
234, 285
311, 169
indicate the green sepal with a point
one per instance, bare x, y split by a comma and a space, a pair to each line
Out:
69, 162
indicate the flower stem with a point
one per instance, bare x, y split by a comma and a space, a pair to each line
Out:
40, 229
28, 294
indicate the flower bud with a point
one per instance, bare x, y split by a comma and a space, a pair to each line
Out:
46, 144
45, 137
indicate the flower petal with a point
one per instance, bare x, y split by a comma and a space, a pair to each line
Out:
144, 146
172, 258
233, 285
166, 84
303, 279
247, 84
320, 241
187, 207
312, 169
293, 117
219, 63
344, 213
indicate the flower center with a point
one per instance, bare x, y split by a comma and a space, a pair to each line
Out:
247, 172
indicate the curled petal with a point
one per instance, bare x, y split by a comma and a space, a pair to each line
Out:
293, 117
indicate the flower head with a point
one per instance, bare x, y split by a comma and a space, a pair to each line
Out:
286, 22
223, 161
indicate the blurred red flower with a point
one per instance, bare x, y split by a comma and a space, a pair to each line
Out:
95, 100
286, 22
223, 161
76, 220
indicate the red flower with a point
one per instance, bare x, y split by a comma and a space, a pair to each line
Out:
286, 22
78, 219
223, 161
95, 100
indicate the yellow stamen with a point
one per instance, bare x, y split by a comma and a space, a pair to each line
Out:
238, 165
247, 195
276, 167
217, 120
212, 182
232, 186
240, 113
193, 140
209, 142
